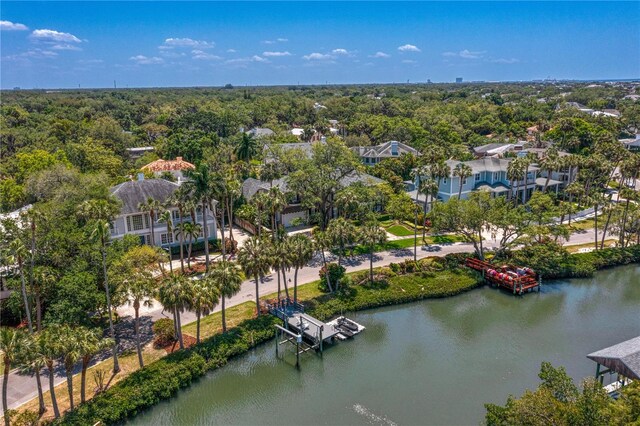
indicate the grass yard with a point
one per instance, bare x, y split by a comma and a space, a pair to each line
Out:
399, 230
576, 248
212, 324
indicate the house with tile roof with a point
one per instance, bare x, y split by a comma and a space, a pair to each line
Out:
175, 167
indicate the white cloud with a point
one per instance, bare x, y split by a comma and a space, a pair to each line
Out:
408, 48
380, 55
315, 56
282, 40
278, 40
465, 54
32, 53
201, 54
276, 54
231, 50
12, 26
241, 61
170, 43
256, 58
90, 61
409, 61
65, 46
146, 60
52, 36
505, 61
340, 51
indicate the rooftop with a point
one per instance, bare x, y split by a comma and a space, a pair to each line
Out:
168, 165
134, 192
623, 358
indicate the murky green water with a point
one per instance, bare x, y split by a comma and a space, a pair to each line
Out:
431, 362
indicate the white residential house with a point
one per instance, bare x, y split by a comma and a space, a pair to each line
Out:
131, 221
371, 155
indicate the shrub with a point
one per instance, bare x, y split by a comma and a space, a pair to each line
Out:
336, 272
164, 332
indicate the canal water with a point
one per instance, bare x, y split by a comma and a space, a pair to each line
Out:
431, 362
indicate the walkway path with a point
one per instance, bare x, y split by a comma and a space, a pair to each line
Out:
23, 387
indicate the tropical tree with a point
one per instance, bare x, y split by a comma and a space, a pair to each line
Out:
201, 186
32, 362
190, 230
549, 163
462, 171
151, 207
277, 202
322, 242
180, 199
173, 294
166, 217
227, 279
202, 298
49, 348
300, 252
281, 260
13, 344
90, 343
342, 233
101, 212
246, 148
515, 170
19, 253
71, 354
44, 278
253, 257
261, 201
371, 235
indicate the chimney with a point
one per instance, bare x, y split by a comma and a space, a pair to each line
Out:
140, 177
394, 147
178, 158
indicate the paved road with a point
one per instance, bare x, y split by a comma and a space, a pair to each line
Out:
22, 388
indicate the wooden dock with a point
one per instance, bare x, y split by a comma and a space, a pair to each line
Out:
509, 277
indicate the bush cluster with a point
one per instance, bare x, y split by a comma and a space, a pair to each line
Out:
164, 332
163, 378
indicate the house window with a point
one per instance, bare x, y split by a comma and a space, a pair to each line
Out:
444, 180
136, 223
166, 238
477, 177
465, 181
496, 176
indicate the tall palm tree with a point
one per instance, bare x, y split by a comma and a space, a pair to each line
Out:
49, 349
261, 201
168, 220
301, 252
428, 187
253, 257
202, 298
277, 202
191, 231
281, 260
549, 163
322, 242
34, 215
528, 159
200, 184
32, 362
515, 169
90, 343
101, 212
44, 277
139, 286
232, 190
462, 171
71, 354
180, 200
151, 207
370, 235
228, 280
342, 233
19, 253
173, 295
13, 344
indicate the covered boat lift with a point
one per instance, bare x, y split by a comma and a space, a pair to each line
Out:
622, 359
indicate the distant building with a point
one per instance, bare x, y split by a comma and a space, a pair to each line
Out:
260, 132
458, 79
175, 167
497, 149
632, 144
371, 155
137, 152
131, 221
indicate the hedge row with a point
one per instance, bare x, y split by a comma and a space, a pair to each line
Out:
163, 378
582, 265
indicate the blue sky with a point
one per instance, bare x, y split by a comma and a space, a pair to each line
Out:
63, 45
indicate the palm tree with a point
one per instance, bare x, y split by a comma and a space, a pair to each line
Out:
48, 347
179, 199
102, 212
90, 343
151, 207
253, 257
139, 288
232, 191
71, 354
428, 187
19, 251
528, 159
168, 219
281, 260
549, 163
261, 201
34, 215
44, 277
201, 187
13, 344
228, 280
342, 233
322, 242
32, 362
462, 171
246, 148
371, 235
515, 169
190, 230
173, 295
277, 202
301, 252
202, 298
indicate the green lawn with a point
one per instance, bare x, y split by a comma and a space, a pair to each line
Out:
399, 230
407, 243
212, 324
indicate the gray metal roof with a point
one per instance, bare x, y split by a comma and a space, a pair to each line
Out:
385, 150
260, 132
132, 193
623, 358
